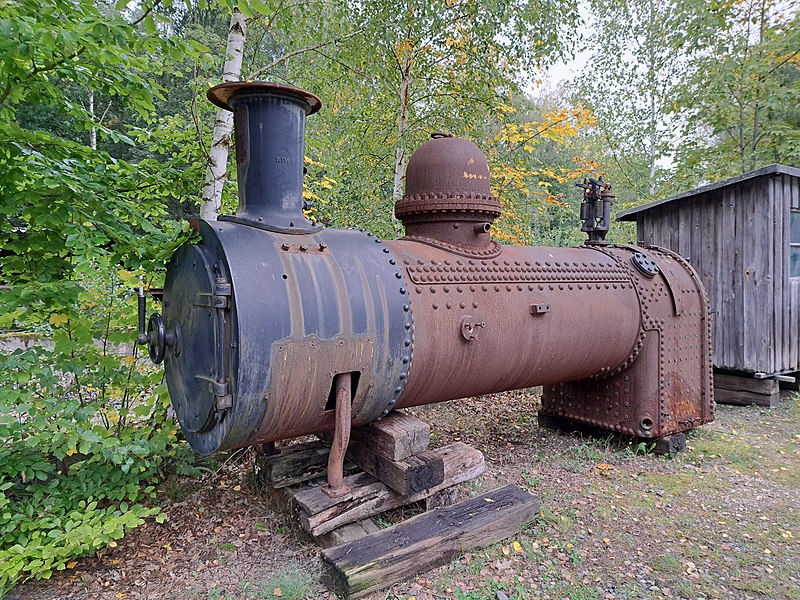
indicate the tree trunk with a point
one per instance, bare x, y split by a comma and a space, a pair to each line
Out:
217, 170
93, 129
401, 158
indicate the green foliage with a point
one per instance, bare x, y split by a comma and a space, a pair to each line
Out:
739, 98
83, 420
691, 92
455, 59
83, 424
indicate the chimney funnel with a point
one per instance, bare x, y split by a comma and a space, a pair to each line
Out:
269, 123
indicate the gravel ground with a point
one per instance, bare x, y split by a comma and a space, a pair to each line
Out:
720, 520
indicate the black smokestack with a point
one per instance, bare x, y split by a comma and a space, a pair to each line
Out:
269, 123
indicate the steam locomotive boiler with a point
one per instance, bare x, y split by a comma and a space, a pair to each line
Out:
275, 327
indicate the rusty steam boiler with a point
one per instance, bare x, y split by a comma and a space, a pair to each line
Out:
275, 327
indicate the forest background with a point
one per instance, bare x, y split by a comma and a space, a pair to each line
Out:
107, 146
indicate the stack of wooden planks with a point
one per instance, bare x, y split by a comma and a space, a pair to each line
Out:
394, 467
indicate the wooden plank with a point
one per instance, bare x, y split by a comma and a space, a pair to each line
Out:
707, 265
745, 384
319, 514
726, 331
739, 238
778, 297
640, 224
426, 541
758, 276
795, 200
684, 238
348, 533
794, 322
696, 237
294, 464
722, 279
396, 437
791, 326
408, 476
740, 398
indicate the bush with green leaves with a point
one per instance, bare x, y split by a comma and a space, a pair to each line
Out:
83, 418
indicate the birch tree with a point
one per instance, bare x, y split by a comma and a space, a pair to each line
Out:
217, 169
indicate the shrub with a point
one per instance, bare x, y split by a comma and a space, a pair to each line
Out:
84, 427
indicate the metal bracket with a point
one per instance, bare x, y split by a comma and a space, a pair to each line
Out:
223, 399
539, 308
469, 328
776, 376
212, 300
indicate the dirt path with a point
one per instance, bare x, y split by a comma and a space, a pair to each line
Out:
722, 520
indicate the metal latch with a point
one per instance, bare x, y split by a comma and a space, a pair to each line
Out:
223, 399
469, 327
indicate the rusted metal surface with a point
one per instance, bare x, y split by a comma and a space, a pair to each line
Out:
513, 347
448, 202
270, 319
336, 487
665, 385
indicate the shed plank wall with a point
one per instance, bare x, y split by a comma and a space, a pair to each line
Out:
781, 291
759, 276
729, 286
791, 314
777, 256
737, 238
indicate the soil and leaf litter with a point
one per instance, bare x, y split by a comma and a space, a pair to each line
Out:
719, 520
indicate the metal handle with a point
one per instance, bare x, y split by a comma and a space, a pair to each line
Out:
142, 338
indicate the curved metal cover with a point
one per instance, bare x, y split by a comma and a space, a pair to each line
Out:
188, 286
447, 174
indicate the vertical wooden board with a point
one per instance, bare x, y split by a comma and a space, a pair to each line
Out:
723, 278
741, 238
727, 333
794, 322
652, 226
795, 202
758, 275
661, 237
746, 235
640, 224
655, 227
779, 296
684, 214
675, 227
783, 293
696, 237
791, 326
708, 261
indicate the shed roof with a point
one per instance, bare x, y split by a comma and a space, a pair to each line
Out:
630, 214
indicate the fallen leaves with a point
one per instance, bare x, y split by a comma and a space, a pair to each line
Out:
604, 469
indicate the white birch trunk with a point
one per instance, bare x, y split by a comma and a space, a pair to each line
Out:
400, 157
93, 129
217, 170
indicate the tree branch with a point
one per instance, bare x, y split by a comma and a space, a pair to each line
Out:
299, 51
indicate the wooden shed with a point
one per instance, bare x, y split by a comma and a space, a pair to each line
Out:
742, 235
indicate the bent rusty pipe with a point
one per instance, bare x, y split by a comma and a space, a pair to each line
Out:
341, 437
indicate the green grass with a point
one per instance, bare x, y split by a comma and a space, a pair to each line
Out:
294, 584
